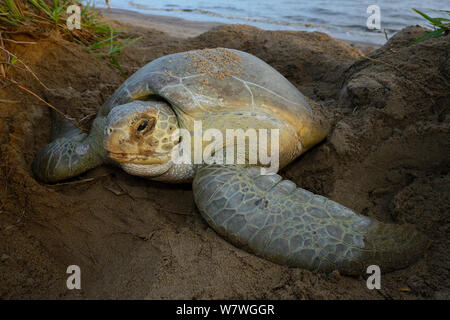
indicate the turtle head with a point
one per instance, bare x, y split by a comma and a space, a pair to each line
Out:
139, 136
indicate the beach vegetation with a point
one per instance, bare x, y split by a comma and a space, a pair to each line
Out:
113, 47
441, 26
39, 16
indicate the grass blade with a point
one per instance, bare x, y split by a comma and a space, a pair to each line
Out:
434, 33
432, 20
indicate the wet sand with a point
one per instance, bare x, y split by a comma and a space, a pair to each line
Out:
181, 28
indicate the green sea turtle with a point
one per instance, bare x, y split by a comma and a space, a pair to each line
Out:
271, 217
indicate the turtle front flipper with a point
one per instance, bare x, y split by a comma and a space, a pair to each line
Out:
276, 220
71, 153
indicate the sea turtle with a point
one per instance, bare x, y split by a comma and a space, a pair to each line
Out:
262, 213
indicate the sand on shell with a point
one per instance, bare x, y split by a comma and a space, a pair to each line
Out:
386, 157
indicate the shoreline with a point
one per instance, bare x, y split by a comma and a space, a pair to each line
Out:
182, 28
173, 26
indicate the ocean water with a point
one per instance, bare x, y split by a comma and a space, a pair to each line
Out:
344, 19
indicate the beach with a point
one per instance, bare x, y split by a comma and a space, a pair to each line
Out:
181, 28
343, 19
175, 27
385, 157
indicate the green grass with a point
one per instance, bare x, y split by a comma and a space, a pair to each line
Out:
56, 12
90, 19
441, 26
114, 47
94, 34
48, 12
12, 62
10, 13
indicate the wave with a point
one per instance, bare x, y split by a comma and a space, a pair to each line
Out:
346, 20
231, 16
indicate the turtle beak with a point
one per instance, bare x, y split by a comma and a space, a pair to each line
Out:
116, 143
112, 140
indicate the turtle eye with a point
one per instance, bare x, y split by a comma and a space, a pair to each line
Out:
146, 124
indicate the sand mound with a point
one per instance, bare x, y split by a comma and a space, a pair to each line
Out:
387, 157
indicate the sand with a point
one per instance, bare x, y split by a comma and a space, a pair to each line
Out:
386, 157
182, 28
173, 26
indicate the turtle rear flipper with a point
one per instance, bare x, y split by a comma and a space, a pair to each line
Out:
288, 225
71, 153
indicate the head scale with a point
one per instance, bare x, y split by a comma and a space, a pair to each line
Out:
140, 133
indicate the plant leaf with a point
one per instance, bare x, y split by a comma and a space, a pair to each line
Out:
432, 20
434, 33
